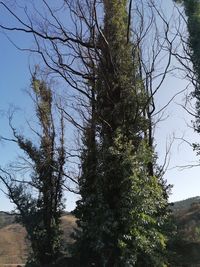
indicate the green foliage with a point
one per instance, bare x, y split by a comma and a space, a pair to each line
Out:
192, 11
123, 207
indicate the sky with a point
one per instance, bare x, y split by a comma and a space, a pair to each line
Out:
15, 78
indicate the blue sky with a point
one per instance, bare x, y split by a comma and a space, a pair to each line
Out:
15, 77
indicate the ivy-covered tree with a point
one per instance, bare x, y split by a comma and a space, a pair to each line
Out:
124, 203
192, 12
87, 206
39, 199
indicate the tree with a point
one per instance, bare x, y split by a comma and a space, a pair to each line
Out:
120, 212
39, 199
123, 205
191, 53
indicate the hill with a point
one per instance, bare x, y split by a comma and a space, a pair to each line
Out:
184, 247
13, 243
182, 205
6, 219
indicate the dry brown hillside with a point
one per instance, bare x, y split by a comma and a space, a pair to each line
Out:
14, 246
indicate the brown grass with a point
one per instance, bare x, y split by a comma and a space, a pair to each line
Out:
14, 245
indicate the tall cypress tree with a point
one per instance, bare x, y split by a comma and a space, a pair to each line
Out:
123, 206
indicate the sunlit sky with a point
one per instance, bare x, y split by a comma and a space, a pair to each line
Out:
15, 77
